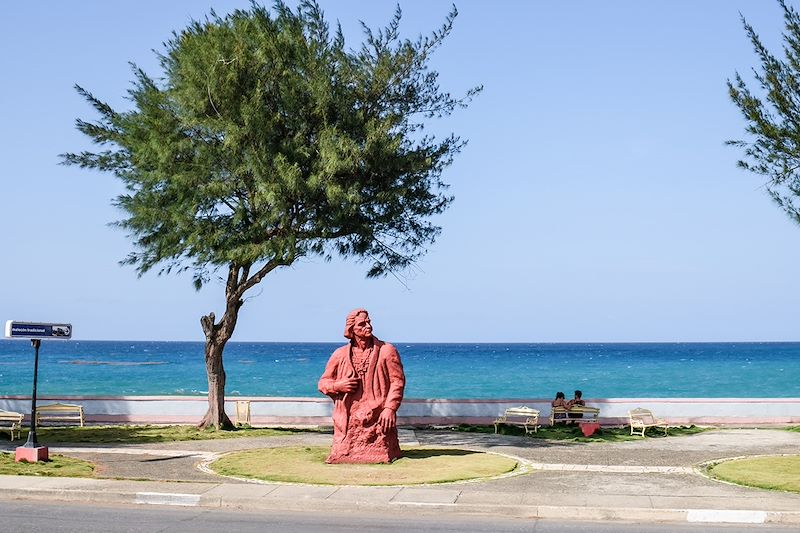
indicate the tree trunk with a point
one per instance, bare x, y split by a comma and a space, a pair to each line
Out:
217, 334
215, 416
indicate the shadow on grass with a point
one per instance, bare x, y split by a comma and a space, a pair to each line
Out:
434, 452
171, 458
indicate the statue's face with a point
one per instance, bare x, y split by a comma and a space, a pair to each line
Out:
363, 327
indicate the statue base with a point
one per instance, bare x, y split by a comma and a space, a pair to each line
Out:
363, 458
385, 450
31, 455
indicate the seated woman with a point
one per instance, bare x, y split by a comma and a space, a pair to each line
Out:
560, 401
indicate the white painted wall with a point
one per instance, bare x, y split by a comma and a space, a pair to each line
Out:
277, 411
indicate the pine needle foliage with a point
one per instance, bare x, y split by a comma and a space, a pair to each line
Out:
268, 140
772, 114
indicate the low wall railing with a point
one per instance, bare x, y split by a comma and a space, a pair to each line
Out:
416, 411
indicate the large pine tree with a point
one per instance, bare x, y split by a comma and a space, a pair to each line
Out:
268, 141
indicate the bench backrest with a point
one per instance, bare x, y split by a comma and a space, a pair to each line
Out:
584, 409
60, 407
577, 409
521, 411
641, 415
10, 415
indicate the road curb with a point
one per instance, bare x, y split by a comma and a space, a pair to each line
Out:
584, 513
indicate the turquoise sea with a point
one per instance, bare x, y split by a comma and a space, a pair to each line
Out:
752, 370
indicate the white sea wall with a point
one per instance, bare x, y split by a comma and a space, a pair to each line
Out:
317, 411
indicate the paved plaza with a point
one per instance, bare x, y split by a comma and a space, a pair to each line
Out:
653, 479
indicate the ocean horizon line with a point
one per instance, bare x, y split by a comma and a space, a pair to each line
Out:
480, 343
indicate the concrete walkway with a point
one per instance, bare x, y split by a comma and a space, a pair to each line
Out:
654, 479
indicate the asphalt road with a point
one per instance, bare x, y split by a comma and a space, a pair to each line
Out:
28, 517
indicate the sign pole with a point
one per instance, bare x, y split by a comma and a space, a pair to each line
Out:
32, 451
32, 442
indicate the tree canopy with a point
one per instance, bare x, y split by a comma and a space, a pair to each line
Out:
773, 115
268, 140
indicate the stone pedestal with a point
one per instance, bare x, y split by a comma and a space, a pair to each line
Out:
32, 455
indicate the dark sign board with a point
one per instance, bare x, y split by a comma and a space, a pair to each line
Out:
37, 330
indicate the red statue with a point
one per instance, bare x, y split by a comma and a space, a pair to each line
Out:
365, 379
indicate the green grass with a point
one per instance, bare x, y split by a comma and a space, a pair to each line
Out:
307, 465
776, 472
155, 434
573, 433
144, 434
57, 466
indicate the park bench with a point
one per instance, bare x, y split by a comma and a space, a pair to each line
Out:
519, 416
11, 422
60, 412
562, 414
640, 419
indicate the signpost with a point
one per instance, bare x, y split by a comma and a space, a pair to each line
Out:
37, 330
31, 451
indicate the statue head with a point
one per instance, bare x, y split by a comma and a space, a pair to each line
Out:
358, 320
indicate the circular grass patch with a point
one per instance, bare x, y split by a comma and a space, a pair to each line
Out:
780, 472
307, 465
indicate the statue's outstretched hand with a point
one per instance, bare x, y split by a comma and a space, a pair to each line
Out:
388, 419
346, 385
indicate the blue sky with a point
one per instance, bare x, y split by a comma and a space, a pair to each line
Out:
595, 202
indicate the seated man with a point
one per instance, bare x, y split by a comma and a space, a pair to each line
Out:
577, 400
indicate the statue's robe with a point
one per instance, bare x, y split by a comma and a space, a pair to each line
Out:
357, 435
